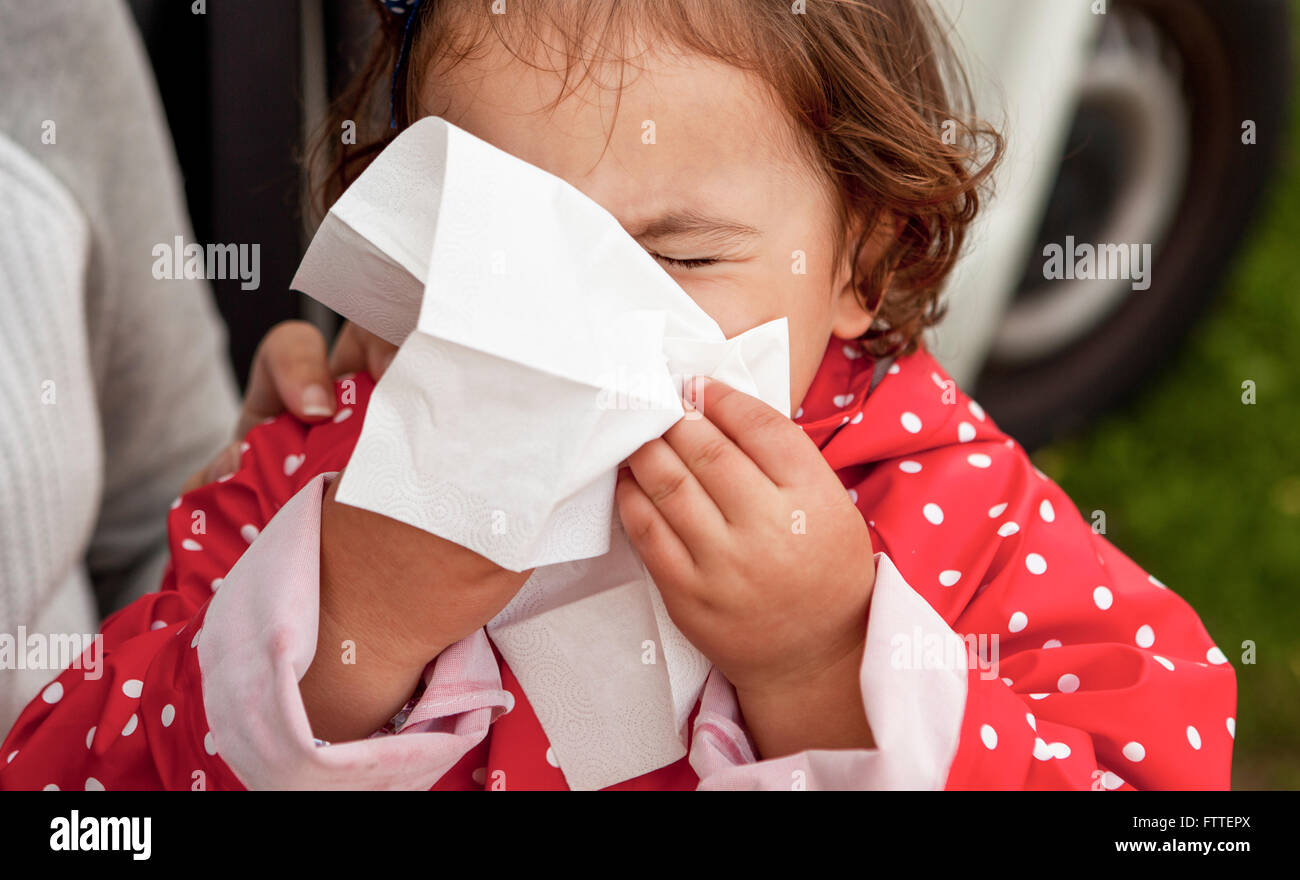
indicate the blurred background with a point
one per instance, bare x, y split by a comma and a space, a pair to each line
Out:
1163, 122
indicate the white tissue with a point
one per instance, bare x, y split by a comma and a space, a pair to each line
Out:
540, 346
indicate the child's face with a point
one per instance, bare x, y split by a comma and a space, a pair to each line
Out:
719, 182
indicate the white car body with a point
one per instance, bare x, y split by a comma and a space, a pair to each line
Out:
1025, 60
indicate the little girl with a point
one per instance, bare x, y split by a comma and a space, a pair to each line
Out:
778, 160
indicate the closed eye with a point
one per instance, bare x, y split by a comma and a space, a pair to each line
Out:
685, 264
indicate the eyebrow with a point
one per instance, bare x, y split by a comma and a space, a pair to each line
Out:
689, 222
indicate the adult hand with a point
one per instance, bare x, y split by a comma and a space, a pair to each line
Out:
292, 371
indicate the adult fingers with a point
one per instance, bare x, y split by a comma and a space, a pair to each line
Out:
356, 349
290, 371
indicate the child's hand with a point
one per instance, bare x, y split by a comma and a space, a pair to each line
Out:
761, 557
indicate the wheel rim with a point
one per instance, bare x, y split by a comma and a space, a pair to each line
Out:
1131, 103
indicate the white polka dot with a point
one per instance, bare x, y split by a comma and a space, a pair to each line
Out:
1232, 727
157, 624
93, 784
131, 724
1046, 511
842, 400
965, 432
168, 715
1163, 662
53, 693
910, 467
1193, 737
216, 583
90, 735
194, 642
209, 744
1060, 751
11, 757
248, 532
798, 414
550, 757
1006, 681
938, 380
1018, 621
911, 422
342, 414
1156, 581
1035, 563
1039, 696
1008, 529
979, 460
933, 513
225, 478
1042, 751
1110, 781
176, 503
856, 418
1033, 722
1134, 751
989, 736
853, 495
1041, 475
949, 577
976, 410
996, 510
191, 544
50, 787
1051, 643
1215, 656
480, 775
1068, 683
1103, 597
132, 687
293, 462
1146, 636
894, 369
244, 447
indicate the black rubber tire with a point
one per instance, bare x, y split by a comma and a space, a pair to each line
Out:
1247, 75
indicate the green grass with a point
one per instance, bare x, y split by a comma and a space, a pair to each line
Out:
1204, 491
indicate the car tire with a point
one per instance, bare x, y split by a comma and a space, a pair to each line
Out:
1235, 66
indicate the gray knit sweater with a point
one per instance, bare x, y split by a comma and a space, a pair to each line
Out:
114, 386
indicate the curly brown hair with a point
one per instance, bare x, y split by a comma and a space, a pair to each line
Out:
879, 101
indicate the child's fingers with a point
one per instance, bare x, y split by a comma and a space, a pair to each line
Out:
660, 548
776, 444
676, 494
730, 477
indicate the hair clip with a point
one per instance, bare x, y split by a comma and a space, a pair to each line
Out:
409, 8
